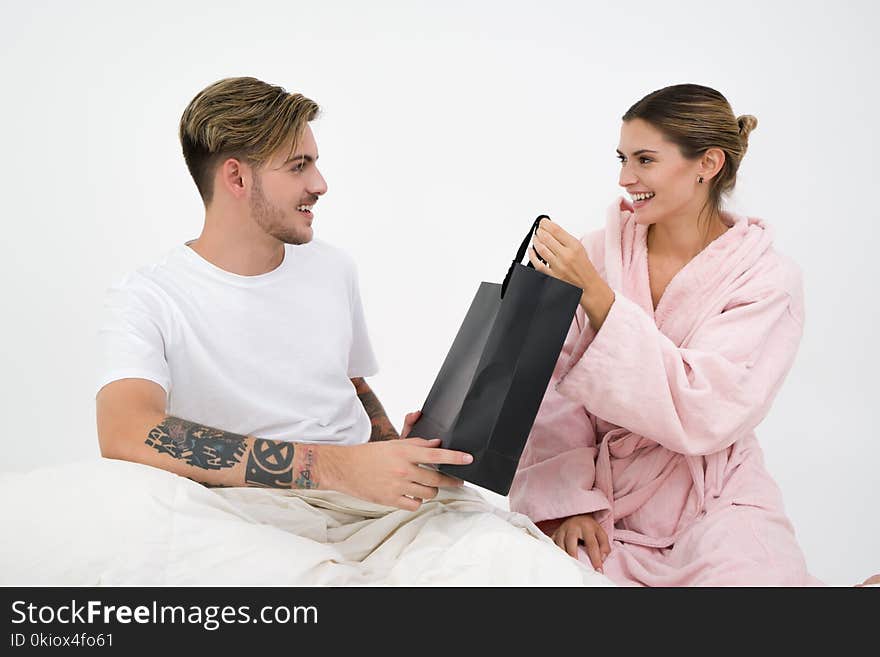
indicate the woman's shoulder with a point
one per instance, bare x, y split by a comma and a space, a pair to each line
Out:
782, 270
773, 267
779, 275
770, 274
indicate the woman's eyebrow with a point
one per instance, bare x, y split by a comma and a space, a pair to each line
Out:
639, 152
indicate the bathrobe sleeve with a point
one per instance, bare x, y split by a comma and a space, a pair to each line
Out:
556, 477
557, 470
695, 400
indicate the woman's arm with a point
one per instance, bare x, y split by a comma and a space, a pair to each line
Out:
694, 400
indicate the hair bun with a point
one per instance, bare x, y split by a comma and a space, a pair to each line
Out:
746, 124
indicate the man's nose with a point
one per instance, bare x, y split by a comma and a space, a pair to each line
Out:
318, 185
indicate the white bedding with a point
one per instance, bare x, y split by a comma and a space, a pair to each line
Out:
118, 523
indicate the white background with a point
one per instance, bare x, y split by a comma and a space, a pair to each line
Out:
446, 128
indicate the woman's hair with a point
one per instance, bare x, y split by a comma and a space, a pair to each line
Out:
240, 117
698, 118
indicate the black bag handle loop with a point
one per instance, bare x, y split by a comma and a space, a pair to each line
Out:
521, 252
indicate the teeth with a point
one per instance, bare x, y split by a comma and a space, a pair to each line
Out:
642, 196
304, 208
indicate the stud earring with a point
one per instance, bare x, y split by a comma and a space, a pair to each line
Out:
701, 180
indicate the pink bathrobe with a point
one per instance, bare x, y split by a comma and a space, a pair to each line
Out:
650, 422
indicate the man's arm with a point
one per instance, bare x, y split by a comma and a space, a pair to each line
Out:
133, 426
382, 427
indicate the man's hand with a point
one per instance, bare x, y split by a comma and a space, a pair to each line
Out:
585, 529
408, 423
388, 472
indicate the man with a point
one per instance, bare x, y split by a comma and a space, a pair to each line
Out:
240, 358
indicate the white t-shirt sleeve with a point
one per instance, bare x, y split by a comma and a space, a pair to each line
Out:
361, 359
130, 341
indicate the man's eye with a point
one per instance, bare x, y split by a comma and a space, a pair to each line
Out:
299, 167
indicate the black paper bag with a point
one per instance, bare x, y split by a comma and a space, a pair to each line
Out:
487, 393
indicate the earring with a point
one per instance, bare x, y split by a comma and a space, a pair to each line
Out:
701, 180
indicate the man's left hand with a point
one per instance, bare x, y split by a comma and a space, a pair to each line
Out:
408, 423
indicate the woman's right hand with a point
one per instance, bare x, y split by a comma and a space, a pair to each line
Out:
583, 529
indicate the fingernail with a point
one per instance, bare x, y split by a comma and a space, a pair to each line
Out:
467, 458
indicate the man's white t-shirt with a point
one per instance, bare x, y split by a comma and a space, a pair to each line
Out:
270, 356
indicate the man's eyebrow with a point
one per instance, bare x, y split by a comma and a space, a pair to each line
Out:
305, 158
639, 152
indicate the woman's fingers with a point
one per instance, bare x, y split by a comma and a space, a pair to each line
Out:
592, 547
541, 250
571, 543
604, 545
550, 241
558, 232
559, 538
537, 264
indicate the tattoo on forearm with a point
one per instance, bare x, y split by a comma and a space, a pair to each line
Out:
270, 464
382, 427
197, 445
304, 478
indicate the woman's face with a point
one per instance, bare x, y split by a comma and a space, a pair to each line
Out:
654, 166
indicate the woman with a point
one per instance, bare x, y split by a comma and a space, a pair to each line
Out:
644, 448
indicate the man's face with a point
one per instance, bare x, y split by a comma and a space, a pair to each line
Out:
285, 191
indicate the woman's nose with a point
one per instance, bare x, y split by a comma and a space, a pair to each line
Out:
626, 177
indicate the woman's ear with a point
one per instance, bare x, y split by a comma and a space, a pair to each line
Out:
711, 163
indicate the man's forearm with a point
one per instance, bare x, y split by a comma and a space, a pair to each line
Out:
382, 427
221, 458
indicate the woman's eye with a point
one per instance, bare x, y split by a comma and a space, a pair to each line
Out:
621, 158
299, 167
645, 160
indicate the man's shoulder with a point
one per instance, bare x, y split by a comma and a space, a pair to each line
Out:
147, 282
328, 255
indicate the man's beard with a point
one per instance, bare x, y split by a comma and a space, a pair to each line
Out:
271, 218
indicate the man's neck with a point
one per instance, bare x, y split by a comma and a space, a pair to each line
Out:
243, 252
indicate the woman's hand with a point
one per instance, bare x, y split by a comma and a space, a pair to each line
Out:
583, 529
566, 257
567, 260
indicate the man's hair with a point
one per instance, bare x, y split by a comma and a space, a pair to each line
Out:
243, 118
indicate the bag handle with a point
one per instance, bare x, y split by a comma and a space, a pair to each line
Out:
521, 252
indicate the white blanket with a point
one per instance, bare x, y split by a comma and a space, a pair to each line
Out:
118, 523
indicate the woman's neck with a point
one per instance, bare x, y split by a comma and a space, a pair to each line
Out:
682, 238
